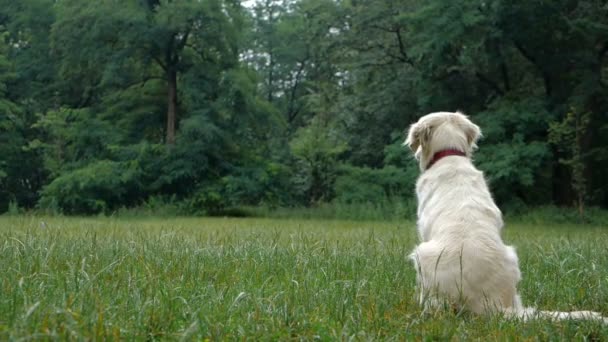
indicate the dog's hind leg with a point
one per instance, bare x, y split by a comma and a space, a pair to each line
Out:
426, 258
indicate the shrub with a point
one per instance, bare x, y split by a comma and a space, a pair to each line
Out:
96, 188
558, 215
366, 185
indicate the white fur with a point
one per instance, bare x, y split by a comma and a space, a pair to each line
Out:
462, 260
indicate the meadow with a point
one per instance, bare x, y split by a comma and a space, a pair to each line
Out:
269, 279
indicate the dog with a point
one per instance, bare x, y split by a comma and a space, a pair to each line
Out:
462, 262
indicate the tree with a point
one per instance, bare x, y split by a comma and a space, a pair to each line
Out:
10, 139
378, 93
569, 68
205, 105
122, 65
168, 37
23, 67
568, 135
294, 49
317, 148
505, 63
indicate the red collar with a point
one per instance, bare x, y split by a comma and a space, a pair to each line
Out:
445, 153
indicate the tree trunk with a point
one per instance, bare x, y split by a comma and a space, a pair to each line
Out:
270, 76
171, 106
562, 183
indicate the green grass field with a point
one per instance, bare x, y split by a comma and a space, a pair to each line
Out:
269, 279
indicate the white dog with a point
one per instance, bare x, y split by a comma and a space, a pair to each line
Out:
462, 260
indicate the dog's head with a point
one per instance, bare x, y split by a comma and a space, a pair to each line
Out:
440, 131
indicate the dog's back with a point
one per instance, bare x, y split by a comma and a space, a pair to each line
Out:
453, 196
462, 255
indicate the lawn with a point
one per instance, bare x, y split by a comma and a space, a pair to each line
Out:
269, 279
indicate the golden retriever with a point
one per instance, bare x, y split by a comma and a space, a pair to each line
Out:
462, 260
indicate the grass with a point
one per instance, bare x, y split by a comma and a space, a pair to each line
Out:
269, 279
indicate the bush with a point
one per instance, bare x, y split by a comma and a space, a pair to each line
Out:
96, 188
156, 206
13, 208
558, 215
366, 185
266, 183
514, 154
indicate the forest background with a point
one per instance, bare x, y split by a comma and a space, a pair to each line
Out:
212, 107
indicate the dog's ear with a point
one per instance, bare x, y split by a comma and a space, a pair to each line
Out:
471, 130
473, 134
418, 134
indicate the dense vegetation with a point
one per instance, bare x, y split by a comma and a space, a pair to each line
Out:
208, 105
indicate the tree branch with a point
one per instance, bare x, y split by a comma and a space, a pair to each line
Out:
182, 42
169, 53
381, 28
524, 52
406, 57
201, 54
378, 64
160, 63
527, 55
291, 112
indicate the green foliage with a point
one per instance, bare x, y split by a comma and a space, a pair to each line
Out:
317, 149
13, 209
266, 184
513, 166
209, 106
552, 215
365, 185
157, 206
396, 154
9, 125
21, 171
569, 135
514, 153
73, 138
98, 187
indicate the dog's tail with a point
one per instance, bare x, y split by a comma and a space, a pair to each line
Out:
526, 314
